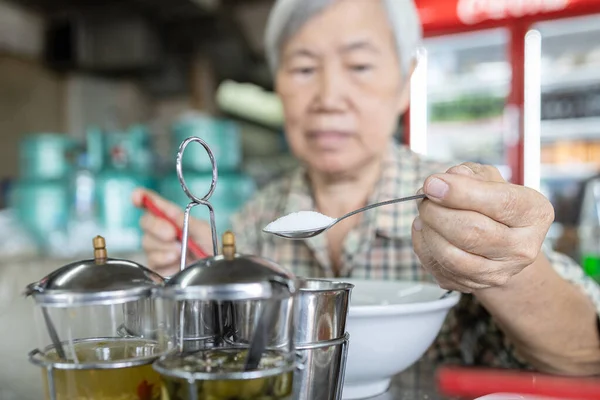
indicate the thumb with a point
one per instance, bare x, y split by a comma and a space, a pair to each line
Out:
142, 196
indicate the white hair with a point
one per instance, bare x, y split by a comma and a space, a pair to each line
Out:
288, 16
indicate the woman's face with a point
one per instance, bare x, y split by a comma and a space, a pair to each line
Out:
340, 83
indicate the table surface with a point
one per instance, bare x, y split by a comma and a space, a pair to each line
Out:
416, 383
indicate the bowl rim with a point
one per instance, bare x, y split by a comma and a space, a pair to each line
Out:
374, 311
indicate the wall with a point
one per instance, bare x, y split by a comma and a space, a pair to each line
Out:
20, 31
108, 103
30, 101
30, 95
33, 98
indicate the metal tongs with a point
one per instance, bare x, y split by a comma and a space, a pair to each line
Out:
195, 201
259, 341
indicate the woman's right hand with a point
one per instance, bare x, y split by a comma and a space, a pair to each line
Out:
160, 242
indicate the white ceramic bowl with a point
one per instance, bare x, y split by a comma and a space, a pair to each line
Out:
391, 326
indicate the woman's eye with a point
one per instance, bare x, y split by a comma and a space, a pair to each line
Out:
360, 67
303, 70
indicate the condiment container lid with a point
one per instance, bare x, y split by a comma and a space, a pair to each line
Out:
230, 277
98, 281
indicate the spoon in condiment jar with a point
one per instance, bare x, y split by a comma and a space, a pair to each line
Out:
307, 224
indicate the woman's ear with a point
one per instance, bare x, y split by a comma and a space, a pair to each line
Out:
404, 98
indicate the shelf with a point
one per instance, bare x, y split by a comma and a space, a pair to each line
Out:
568, 171
551, 81
579, 26
582, 76
491, 127
467, 86
470, 41
571, 129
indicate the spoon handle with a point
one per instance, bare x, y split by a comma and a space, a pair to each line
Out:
383, 203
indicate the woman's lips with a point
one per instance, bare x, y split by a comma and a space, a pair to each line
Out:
329, 139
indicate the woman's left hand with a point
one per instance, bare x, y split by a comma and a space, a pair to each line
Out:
475, 230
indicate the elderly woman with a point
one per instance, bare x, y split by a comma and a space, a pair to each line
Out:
342, 70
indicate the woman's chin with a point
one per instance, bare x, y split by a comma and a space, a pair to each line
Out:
332, 165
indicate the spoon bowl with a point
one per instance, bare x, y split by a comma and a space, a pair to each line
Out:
308, 233
302, 234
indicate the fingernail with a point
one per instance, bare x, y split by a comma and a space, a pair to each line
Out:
418, 224
464, 170
420, 191
437, 188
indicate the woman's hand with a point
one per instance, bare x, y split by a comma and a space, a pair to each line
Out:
475, 230
160, 242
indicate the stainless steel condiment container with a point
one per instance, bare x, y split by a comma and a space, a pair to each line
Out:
211, 295
223, 311
320, 314
97, 323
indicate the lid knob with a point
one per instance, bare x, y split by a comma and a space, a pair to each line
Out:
229, 245
100, 254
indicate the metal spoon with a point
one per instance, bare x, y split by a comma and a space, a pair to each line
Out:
308, 233
261, 336
53, 335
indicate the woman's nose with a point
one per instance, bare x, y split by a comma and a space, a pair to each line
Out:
330, 94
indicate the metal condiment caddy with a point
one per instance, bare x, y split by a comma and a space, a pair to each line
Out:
84, 308
231, 326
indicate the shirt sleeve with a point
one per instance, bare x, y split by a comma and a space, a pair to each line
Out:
572, 272
483, 342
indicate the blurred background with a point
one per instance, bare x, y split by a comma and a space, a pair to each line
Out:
95, 98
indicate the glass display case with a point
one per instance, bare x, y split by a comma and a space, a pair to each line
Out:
467, 84
569, 113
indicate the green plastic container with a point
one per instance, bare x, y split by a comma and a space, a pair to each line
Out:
222, 136
45, 156
117, 215
95, 148
136, 144
42, 206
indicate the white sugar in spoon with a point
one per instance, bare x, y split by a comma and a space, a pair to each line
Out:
307, 224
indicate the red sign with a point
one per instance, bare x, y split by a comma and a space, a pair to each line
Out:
471, 12
455, 14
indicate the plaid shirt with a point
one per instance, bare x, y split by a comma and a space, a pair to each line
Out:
380, 248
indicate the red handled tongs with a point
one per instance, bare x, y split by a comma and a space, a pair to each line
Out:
194, 248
